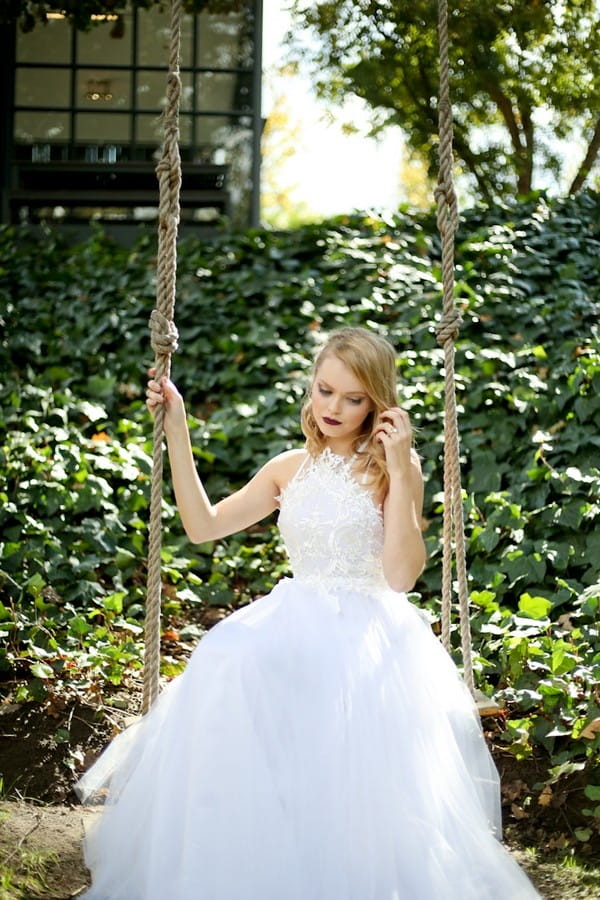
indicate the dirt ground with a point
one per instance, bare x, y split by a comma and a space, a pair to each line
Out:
56, 832
52, 837
44, 747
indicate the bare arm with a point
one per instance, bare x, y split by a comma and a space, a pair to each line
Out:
202, 520
403, 545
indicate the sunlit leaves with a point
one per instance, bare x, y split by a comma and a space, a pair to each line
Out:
524, 76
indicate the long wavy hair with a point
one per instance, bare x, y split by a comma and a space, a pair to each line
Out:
371, 359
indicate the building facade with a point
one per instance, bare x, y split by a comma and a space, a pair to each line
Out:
81, 120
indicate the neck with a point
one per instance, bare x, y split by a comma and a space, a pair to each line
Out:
340, 448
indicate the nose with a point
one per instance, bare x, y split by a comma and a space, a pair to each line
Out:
334, 405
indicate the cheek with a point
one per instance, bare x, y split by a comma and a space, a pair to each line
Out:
355, 415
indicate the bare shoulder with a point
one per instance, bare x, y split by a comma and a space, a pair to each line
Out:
284, 466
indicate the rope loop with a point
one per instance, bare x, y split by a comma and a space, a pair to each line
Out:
163, 334
448, 328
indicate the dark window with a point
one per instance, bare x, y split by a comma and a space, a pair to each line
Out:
97, 96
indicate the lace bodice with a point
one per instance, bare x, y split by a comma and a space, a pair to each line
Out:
330, 524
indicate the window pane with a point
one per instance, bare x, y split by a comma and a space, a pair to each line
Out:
149, 130
224, 135
103, 89
231, 140
102, 128
151, 90
106, 43
38, 127
42, 87
154, 35
50, 43
224, 91
226, 40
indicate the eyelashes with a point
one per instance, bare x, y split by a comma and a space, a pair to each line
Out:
355, 401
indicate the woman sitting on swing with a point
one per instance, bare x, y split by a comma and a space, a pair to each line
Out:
320, 744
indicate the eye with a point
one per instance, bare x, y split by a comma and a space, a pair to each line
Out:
356, 401
324, 391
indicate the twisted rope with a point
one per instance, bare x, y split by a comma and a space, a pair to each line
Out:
447, 331
164, 343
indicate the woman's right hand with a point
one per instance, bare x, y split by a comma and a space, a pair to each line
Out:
164, 393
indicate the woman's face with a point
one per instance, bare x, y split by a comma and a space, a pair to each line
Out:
339, 401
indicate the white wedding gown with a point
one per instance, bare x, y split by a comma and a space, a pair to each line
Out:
319, 745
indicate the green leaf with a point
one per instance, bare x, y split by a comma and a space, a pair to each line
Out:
93, 411
534, 607
125, 558
42, 670
35, 584
114, 602
485, 599
592, 791
79, 626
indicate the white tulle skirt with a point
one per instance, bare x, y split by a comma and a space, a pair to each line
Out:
319, 746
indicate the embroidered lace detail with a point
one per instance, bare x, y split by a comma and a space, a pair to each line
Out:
331, 526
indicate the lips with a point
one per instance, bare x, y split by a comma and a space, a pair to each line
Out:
331, 421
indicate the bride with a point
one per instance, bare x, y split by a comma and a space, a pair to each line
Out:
320, 744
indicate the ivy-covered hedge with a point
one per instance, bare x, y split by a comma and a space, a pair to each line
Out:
74, 461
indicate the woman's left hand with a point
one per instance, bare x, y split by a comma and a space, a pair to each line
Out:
394, 431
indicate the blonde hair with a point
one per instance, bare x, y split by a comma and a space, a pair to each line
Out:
371, 359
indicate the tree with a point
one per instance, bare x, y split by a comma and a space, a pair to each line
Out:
525, 75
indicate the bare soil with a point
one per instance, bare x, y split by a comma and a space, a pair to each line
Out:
43, 749
53, 836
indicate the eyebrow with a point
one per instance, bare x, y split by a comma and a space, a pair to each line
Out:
356, 393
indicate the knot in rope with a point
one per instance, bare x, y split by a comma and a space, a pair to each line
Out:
448, 327
163, 334
163, 167
445, 197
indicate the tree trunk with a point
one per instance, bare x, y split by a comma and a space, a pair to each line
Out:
526, 173
590, 158
521, 137
463, 150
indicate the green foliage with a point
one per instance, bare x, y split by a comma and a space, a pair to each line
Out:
523, 77
251, 309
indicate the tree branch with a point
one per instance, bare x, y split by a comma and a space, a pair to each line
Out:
525, 175
589, 160
521, 136
460, 140
506, 111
